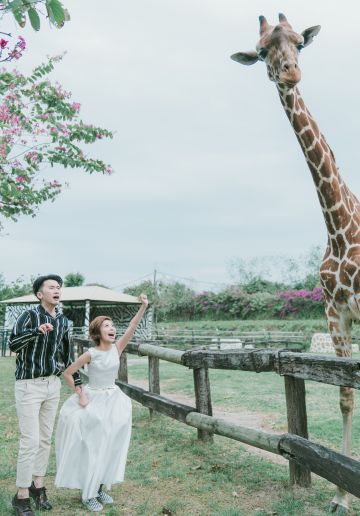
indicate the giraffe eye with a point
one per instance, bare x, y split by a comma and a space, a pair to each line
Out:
262, 53
300, 46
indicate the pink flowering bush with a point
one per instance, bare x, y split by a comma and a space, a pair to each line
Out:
176, 301
305, 303
235, 302
39, 128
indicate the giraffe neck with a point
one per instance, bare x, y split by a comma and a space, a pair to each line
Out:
338, 204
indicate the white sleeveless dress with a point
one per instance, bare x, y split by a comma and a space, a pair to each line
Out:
92, 442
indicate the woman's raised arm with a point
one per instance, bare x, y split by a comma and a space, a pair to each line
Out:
125, 339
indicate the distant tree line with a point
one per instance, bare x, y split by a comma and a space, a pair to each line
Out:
253, 293
260, 300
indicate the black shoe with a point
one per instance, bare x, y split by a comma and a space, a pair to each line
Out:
39, 495
22, 506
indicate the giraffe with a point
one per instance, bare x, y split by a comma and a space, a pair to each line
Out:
279, 47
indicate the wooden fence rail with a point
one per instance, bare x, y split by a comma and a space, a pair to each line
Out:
304, 456
226, 338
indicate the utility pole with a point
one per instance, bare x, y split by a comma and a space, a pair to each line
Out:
155, 298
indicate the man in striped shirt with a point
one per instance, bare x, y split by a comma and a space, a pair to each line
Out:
40, 339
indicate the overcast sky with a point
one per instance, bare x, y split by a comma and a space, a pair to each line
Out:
207, 165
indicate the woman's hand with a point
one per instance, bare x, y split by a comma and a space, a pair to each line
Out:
79, 389
144, 300
83, 399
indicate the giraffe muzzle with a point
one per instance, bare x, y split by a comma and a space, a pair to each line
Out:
290, 74
290, 80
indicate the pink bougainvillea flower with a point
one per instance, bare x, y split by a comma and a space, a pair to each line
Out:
55, 184
15, 54
3, 43
3, 150
4, 113
32, 156
20, 179
22, 43
75, 106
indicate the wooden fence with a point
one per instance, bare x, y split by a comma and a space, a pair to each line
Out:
223, 339
304, 456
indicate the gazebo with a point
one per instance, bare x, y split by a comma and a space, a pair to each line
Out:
82, 304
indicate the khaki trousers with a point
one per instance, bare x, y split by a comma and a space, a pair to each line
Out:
37, 401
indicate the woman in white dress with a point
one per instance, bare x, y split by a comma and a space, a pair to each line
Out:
93, 432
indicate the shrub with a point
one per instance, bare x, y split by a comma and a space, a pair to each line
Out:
302, 303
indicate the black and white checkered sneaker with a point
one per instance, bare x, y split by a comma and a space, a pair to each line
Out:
93, 505
104, 497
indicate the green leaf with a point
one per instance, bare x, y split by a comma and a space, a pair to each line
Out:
19, 17
34, 18
15, 4
56, 12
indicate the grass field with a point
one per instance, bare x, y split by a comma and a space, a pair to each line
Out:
169, 472
305, 325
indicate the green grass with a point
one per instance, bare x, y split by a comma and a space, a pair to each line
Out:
170, 472
306, 325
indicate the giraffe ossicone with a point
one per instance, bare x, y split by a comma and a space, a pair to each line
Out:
279, 47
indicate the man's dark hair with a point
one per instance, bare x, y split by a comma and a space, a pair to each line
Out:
41, 279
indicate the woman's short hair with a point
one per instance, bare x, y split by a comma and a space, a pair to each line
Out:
95, 325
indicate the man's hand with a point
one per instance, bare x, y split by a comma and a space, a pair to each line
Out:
45, 328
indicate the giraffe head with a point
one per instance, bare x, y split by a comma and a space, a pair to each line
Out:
279, 47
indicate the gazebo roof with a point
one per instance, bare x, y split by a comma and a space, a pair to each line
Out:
87, 293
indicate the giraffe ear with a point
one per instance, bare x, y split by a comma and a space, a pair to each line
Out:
309, 34
246, 58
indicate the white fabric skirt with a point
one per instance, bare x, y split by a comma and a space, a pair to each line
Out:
92, 442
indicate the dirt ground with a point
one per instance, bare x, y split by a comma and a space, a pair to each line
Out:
256, 420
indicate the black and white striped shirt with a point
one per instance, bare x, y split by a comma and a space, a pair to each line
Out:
39, 354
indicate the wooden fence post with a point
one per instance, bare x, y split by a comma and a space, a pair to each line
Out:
218, 339
297, 424
123, 370
203, 398
154, 379
80, 349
